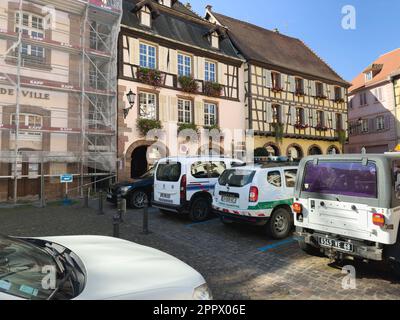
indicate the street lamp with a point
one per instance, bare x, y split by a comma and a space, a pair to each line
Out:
131, 99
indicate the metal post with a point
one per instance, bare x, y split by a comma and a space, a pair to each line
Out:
121, 209
87, 194
101, 196
146, 218
42, 199
18, 98
116, 223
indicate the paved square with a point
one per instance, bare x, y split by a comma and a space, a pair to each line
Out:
238, 262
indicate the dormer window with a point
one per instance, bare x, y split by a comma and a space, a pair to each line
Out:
167, 3
214, 40
368, 76
145, 16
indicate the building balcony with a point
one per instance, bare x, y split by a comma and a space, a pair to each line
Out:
159, 79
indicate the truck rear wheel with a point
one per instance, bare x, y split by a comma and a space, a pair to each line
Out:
200, 210
395, 267
309, 249
279, 225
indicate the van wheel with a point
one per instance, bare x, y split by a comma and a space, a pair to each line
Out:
279, 225
310, 250
200, 210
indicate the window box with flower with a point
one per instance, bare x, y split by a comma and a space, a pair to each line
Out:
212, 89
321, 127
188, 84
301, 126
150, 76
144, 126
321, 97
277, 89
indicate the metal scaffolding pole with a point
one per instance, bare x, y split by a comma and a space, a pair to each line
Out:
18, 100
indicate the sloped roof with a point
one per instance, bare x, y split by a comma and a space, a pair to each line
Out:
390, 64
275, 49
184, 26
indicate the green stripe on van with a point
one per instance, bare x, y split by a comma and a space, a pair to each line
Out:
271, 204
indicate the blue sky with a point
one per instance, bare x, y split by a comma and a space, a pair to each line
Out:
319, 24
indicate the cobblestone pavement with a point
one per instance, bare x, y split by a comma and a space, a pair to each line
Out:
238, 262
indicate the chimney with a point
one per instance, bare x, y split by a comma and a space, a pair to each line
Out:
188, 6
209, 7
276, 30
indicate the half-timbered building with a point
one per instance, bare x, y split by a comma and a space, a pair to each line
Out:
295, 103
183, 70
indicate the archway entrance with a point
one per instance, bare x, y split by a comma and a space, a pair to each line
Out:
273, 150
314, 151
333, 150
139, 164
295, 152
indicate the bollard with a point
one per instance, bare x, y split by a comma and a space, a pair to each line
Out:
87, 194
121, 209
101, 196
116, 223
146, 218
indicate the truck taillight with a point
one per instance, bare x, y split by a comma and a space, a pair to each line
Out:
297, 208
378, 219
253, 197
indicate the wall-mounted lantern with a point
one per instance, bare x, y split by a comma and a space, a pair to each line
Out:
131, 99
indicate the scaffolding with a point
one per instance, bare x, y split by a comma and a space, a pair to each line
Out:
58, 94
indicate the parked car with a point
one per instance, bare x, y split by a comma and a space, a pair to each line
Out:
348, 206
93, 268
260, 195
136, 192
186, 184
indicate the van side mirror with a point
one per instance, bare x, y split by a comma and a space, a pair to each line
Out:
237, 164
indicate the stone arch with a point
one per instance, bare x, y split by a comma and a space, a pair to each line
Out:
299, 150
130, 151
273, 146
331, 148
214, 147
315, 150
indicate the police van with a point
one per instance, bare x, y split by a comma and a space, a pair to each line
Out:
348, 206
185, 185
261, 195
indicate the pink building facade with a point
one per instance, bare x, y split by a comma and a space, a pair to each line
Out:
372, 110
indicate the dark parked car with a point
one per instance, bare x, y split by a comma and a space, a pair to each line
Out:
135, 192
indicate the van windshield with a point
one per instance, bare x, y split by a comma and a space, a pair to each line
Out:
169, 172
352, 179
236, 177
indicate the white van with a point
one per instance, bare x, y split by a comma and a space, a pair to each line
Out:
349, 206
186, 184
260, 195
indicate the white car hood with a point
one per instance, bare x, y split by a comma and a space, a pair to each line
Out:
118, 269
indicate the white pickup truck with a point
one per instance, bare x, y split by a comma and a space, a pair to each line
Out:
349, 206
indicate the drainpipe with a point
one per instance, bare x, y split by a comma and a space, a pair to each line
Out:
397, 127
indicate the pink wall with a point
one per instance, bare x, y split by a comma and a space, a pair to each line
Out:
374, 141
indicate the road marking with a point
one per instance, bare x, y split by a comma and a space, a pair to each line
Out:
277, 244
200, 223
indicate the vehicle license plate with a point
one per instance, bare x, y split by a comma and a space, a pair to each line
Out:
231, 200
335, 244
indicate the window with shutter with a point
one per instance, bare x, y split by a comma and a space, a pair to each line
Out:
276, 81
380, 123
269, 117
267, 78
